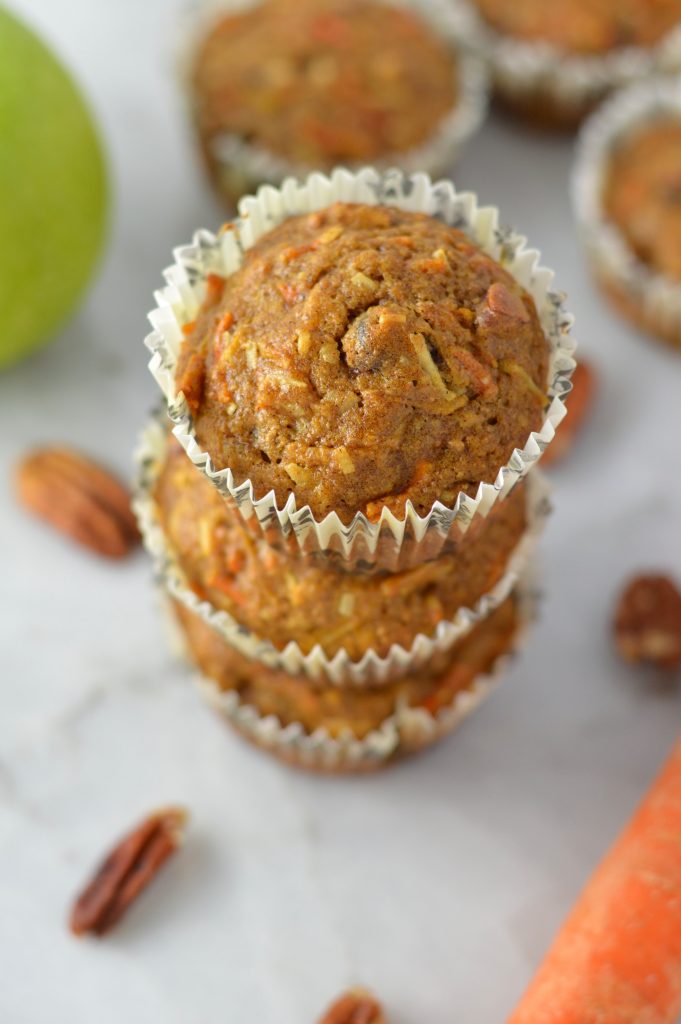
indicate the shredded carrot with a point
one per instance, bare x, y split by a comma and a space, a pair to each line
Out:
292, 252
191, 381
617, 958
214, 288
228, 587
480, 378
188, 328
457, 679
224, 323
235, 561
288, 292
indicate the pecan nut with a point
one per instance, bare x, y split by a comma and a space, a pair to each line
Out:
354, 1007
648, 622
78, 498
579, 405
128, 869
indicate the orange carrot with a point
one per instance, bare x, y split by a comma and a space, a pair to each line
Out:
617, 958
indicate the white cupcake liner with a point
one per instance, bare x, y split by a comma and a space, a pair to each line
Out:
391, 543
525, 70
243, 166
406, 731
372, 669
658, 297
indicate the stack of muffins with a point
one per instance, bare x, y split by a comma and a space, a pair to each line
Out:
341, 515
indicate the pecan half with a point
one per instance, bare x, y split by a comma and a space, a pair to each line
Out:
354, 1007
505, 303
579, 404
127, 870
648, 622
78, 498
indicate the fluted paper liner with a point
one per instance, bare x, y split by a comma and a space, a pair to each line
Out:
391, 543
657, 296
242, 166
526, 70
406, 731
341, 669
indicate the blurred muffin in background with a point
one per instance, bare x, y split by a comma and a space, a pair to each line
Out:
627, 192
552, 62
289, 86
642, 194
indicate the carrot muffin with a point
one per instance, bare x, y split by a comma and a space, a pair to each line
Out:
283, 597
362, 357
627, 194
584, 26
322, 82
336, 709
554, 62
642, 194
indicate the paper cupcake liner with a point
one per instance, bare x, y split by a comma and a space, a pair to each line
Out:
539, 76
240, 166
372, 669
391, 543
406, 731
646, 295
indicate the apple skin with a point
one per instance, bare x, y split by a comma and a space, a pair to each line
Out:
53, 192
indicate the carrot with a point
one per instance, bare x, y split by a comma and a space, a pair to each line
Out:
617, 958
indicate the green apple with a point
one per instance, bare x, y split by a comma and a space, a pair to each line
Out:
53, 192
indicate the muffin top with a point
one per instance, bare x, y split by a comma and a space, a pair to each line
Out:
321, 82
642, 194
303, 600
362, 356
584, 26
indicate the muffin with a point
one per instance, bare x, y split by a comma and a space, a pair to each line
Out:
330, 726
285, 86
363, 365
554, 61
628, 196
364, 357
282, 597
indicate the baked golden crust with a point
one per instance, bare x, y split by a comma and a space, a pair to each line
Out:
282, 597
337, 709
322, 82
584, 26
364, 356
642, 194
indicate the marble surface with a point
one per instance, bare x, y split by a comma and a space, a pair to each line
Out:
438, 883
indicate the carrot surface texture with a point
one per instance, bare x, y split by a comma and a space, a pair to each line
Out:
617, 958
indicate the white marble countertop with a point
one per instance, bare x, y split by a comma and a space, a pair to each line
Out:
438, 883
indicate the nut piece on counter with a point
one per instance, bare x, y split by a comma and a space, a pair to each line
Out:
78, 498
579, 404
648, 622
128, 869
354, 1007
